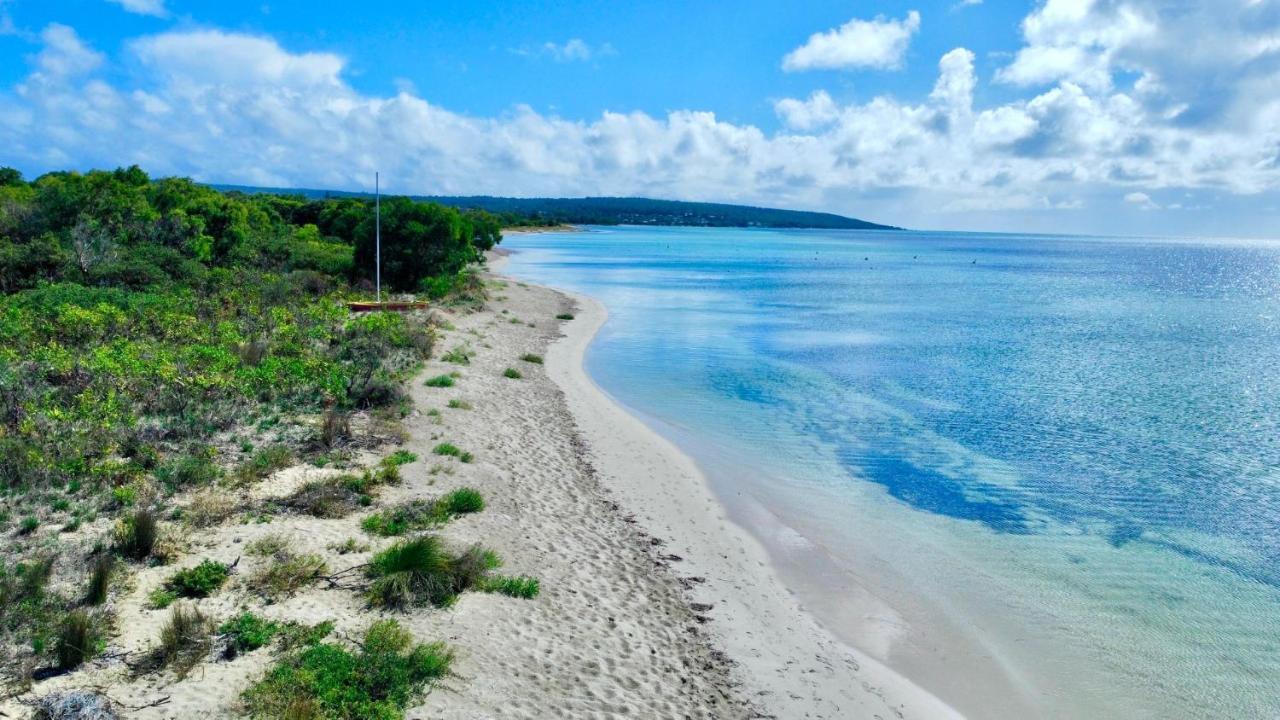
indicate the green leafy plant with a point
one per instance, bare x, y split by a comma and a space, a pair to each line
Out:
423, 514
401, 457
439, 381
460, 355
246, 632
379, 679
512, 373
199, 581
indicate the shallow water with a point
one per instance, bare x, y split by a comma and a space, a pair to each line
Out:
1063, 453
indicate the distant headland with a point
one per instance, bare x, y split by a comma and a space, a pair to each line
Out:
614, 210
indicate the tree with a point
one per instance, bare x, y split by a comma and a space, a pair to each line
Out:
419, 240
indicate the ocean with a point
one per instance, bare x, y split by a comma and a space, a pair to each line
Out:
1046, 468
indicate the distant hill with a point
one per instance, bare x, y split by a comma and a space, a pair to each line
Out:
616, 211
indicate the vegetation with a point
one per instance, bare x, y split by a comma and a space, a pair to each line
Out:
512, 373
379, 679
136, 535
459, 404
104, 567
79, 639
439, 381
451, 450
423, 514
184, 640
531, 358
420, 571
199, 581
246, 632
287, 573
564, 316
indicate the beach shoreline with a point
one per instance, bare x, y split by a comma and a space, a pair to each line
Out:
789, 664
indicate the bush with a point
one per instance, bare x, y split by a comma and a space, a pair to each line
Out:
136, 535
161, 598
199, 581
439, 381
447, 450
184, 639
565, 316
79, 639
264, 462
104, 566
28, 525
324, 680
209, 507
191, 470
459, 404
512, 373
531, 358
335, 427
246, 632
340, 496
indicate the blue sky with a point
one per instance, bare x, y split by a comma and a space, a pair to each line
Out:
1125, 116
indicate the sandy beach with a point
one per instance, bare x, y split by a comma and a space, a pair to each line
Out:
653, 604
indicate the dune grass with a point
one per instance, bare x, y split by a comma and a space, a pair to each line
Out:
532, 358
512, 373
423, 514
184, 639
439, 381
459, 404
420, 571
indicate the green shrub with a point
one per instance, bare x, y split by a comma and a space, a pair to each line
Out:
447, 449
136, 535
161, 598
191, 470
28, 525
512, 373
263, 463
565, 316
269, 545
246, 632
531, 358
401, 457
379, 680
459, 404
79, 639
199, 581
439, 381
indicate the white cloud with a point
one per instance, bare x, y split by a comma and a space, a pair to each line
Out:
878, 43
231, 107
143, 7
1142, 200
572, 50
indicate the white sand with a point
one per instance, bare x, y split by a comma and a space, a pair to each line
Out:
792, 667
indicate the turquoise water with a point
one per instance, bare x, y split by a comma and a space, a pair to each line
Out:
1080, 436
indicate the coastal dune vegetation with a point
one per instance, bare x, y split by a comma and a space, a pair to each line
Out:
165, 349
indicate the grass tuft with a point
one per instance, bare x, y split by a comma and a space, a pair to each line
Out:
460, 355
423, 514
459, 404
184, 639
79, 639
104, 567
287, 573
565, 316
518, 586
512, 373
531, 358
136, 535
439, 381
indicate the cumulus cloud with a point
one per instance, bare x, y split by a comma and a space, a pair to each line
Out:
143, 7
878, 43
233, 107
1142, 200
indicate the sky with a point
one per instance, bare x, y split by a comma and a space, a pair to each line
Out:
1133, 117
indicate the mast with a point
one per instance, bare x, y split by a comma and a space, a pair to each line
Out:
377, 242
